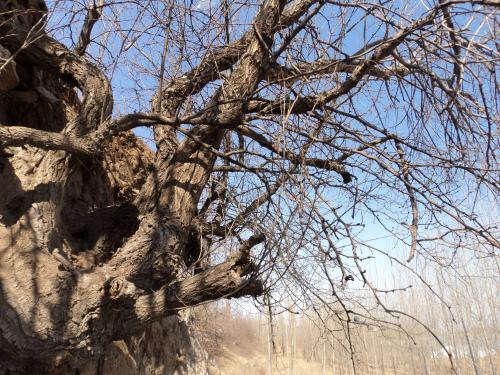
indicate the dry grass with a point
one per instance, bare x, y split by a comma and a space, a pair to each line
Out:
256, 363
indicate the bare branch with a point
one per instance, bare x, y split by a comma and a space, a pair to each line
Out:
49, 54
94, 12
330, 165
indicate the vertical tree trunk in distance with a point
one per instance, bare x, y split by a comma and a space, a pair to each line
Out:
271, 345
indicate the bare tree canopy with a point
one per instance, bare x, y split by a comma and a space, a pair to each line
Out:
287, 136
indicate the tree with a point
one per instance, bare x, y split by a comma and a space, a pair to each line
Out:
284, 132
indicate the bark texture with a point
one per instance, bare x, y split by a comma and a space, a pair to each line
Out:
103, 243
61, 217
94, 231
46, 256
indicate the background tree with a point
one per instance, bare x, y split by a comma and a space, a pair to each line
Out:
287, 134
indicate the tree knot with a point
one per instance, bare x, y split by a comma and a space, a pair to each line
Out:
119, 288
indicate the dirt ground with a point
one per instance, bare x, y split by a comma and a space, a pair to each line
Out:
256, 363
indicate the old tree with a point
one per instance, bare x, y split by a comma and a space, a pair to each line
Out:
286, 133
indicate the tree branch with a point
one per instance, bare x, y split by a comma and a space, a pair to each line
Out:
191, 164
330, 165
285, 76
94, 12
175, 92
307, 103
47, 53
91, 143
21, 136
228, 279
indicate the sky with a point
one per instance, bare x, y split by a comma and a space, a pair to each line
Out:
134, 85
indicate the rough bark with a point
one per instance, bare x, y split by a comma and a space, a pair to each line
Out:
50, 262
100, 238
89, 273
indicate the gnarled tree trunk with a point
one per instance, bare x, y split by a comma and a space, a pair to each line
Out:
93, 240
300, 142
62, 218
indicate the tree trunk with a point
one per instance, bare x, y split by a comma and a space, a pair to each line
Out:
62, 216
103, 243
95, 238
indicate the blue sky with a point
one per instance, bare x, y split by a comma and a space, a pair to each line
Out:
138, 42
